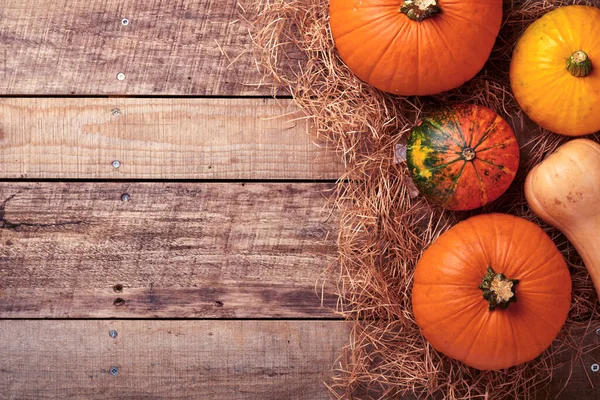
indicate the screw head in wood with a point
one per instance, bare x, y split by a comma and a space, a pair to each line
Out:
595, 367
116, 164
119, 301
121, 76
125, 21
114, 371
113, 334
598, 331
125, 197
116, 112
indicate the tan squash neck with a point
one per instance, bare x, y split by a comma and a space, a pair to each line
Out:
419, 10
584, 237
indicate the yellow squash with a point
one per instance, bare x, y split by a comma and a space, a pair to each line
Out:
555, 70
564, 191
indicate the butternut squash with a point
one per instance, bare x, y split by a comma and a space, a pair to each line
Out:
564, 191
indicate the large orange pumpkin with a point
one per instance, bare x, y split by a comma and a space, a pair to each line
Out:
415, 47
492, 292
555, 70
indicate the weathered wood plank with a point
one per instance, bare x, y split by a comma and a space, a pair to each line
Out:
190, 359
178, 250
574, 379
168, 359
78, 47
159, 139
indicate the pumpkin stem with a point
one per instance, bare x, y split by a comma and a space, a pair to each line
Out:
469, 154
497, 289
419, 10
579, 64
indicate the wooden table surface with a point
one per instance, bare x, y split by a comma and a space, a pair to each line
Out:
164, 222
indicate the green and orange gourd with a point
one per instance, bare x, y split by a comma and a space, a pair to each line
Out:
463, 157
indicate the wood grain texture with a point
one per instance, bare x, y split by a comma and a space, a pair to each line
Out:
574, 378
192, 359
197, 250
78, 47
159, 139
216, 360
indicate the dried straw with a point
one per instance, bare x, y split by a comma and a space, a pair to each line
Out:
385, 226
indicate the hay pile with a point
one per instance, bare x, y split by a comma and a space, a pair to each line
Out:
385, 225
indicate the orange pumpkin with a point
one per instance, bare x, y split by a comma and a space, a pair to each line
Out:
555, 70
415, 47
492, 292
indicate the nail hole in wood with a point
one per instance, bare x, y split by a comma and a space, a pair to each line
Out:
218, 303
119, 301
118, 288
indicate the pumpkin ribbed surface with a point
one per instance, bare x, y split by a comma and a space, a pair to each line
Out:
449, 306
463, 157
383, 46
